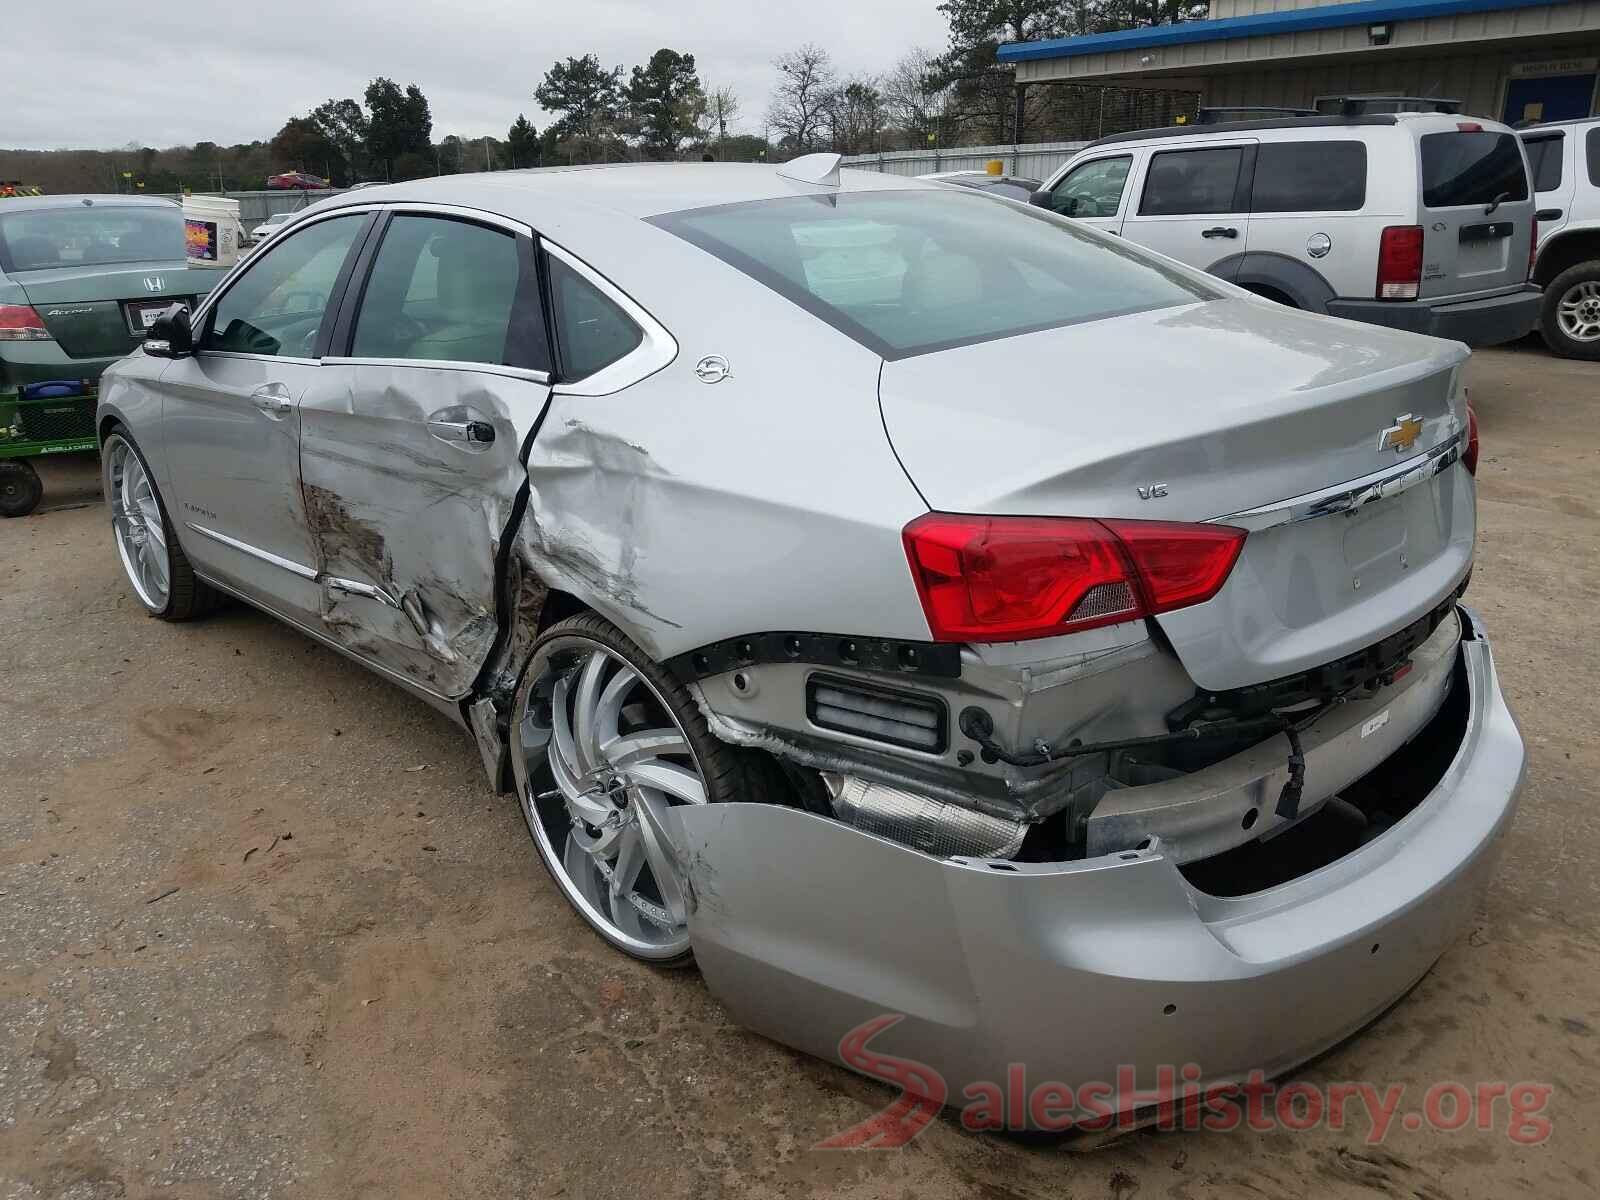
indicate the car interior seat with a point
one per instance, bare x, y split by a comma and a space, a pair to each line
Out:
477, 283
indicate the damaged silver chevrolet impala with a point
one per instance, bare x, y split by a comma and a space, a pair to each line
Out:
898, 600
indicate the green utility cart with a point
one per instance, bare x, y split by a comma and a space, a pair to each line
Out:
51, 417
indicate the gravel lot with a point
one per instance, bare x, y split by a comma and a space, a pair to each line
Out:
265, 932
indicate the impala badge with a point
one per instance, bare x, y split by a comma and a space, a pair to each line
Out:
1400, 436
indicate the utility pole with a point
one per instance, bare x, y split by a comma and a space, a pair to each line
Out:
487, 165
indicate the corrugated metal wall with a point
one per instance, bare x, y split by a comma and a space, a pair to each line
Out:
1477, 80
1248, 8
256, 207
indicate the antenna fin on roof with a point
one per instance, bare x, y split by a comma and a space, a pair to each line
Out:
820, 169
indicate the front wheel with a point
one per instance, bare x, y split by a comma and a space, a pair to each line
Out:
605, 745
152, 559
1570, 317
20, 488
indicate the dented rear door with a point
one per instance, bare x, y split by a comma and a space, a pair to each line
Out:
412, 477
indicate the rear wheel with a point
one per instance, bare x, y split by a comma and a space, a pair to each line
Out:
20, 488
151, 557
1570, 317
605, 744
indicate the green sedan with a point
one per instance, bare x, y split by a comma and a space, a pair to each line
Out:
81, 278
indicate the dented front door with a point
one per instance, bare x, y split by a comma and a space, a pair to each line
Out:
411, 477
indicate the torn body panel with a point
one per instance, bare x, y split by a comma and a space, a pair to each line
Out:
1103, 683
407, 514
1076, 969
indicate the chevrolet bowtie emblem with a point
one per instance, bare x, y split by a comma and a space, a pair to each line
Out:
1400, 436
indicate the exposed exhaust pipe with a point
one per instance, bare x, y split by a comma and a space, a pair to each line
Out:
921, 822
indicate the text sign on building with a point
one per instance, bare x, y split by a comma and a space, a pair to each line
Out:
1555, 66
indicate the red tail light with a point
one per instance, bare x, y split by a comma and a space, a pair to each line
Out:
1400, 262
1005, 579
1469, 456
19, 323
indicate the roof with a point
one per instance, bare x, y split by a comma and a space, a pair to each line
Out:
1299, 20
627, 189
1554, 127
1225, 127
33, 203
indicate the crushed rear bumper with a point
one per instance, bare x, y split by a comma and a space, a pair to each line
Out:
1082, 971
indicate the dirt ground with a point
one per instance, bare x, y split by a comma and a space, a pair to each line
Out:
265, 931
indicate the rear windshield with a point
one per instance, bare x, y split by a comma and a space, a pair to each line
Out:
1544, 161
1471, 168
910, 272
87, 236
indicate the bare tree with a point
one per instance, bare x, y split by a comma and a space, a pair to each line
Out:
915, 96
799, 104
722, 109
856, 116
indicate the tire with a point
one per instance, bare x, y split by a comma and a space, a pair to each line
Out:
555, 681
185, 595
1578, 287
20, 488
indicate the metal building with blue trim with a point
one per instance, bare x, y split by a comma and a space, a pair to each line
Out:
1511, 60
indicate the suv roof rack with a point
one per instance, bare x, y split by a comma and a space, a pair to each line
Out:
1355, 106
1212, 115
1180, 131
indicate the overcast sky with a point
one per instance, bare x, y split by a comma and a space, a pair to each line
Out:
98, 74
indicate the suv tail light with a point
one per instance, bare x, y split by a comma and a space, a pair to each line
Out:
1004, 579
1400, 262
1469, 456
19, 323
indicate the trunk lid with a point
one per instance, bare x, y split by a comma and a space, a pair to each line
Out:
1477, 209
98, 311
1200, 412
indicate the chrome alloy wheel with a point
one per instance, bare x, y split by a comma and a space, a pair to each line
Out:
1578, 311
136, 524
601, 762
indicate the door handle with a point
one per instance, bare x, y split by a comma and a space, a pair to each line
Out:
1548, 214
1227, 231
473, 432
273, 400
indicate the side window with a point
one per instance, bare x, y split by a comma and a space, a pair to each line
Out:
276, 307
1093, 189
591, 331
1180, 182
441, 290
1591, 147
1309, 177
1544, 161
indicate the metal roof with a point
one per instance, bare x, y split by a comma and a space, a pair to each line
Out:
1298, 20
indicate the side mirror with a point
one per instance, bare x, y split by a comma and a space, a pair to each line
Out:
170, 335
1040, 198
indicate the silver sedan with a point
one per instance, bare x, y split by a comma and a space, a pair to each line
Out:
935, 617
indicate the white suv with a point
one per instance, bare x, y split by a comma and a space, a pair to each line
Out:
1419, 221
1564, 158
